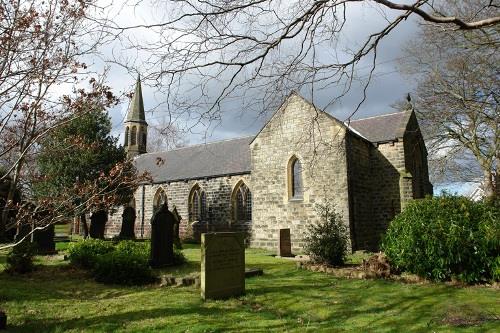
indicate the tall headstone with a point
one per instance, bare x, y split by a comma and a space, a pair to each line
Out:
162, 238
128, 223
3, 320
222, 265
285, 243
98, 224
44, 240
177, 238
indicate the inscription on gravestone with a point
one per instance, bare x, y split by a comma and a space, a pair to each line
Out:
285, 243
222, 265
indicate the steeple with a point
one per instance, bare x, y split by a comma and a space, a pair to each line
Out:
136, 127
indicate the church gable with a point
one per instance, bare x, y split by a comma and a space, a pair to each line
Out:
301, 121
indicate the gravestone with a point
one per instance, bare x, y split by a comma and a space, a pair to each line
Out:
128, 223
177, 238
285, 243
98, 224
162, 238
3, 320
44, 240
222, 265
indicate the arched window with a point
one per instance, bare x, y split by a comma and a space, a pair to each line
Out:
295, 184
126, 136
159, 199
133, 136
197, 204
242, 203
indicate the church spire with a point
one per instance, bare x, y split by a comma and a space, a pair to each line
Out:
135, 124
136, 109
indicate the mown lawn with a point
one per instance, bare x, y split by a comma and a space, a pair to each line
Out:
58, 298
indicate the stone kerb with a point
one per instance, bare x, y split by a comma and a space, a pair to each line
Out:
222, 265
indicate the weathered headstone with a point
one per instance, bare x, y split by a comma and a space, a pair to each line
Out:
128, 223
98, 224
3, 320
177, 223
44, 240
162, 237
285, 243
222, 265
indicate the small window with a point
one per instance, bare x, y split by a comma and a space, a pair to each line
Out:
197, 205
144, 139
159, 199
243, 203
295, 183
133, 136
126, 136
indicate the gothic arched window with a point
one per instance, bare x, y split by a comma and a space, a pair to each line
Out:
295, 183
159, 199
126, 136
197, 204
133, 136
242, 203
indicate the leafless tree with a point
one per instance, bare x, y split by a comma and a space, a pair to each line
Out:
457, 96
204, 54
42, 44
164, 135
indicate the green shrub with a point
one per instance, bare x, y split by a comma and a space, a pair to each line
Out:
179, 257
127, 264
84, 253
327, 242
446, 237
20, 259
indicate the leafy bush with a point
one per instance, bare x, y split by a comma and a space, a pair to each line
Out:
127, 264
446, 237
327, 242
179, 257
84, 253
20, 259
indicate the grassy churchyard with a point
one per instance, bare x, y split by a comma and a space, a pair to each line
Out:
59, 298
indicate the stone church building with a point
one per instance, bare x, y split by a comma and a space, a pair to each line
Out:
368, 168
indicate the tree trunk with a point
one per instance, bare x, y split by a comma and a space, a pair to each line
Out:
488, 186
83, 223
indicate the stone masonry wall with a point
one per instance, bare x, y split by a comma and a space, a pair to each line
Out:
363, 233
316, 139
219, 206
388, 169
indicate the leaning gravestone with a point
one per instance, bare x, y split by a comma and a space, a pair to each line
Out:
98, 224
285, 243
162, 237
128, 223
222, 265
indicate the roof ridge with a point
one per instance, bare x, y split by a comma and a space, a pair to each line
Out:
378, 116
198, 145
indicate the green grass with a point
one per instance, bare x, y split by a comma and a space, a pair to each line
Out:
58, 298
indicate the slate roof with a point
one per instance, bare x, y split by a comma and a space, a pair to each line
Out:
381, 128
232, 157
214, 159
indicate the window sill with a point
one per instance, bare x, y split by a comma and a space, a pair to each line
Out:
296, 200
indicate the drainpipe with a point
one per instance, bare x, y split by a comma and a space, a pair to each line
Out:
142, 211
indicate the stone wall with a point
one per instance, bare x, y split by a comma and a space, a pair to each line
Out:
296, 130
220, 215
362, 226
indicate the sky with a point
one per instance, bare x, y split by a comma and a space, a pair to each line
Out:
387, 87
